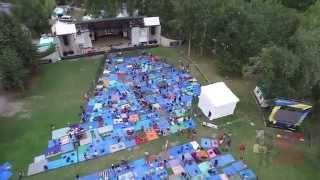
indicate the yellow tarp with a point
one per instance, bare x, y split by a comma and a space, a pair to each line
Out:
274, 110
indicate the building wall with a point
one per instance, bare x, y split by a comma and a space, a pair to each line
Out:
135, 32
143, 35
166, 42
72, 45
155, 37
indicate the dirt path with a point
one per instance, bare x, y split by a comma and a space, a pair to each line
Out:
290, 155
10, 106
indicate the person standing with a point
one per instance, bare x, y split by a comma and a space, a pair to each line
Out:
242, 148
20, 174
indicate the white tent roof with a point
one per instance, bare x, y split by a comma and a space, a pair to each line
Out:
218, 94
151, 21
62, 28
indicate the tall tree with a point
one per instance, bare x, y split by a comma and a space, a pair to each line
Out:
13, 74
111, 7
186, 16
16, 50
33, 14
306, 43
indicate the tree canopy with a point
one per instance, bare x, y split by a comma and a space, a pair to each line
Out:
34, 14
18, 57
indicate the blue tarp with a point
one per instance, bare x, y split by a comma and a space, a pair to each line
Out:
247, 174
5, 171
234, 168
132, 86
223, 160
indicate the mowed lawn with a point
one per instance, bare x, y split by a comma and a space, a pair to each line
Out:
56, 98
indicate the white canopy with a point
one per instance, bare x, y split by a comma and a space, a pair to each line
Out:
151, 21
217, 100
62, 28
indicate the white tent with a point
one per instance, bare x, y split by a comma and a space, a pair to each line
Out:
218, 100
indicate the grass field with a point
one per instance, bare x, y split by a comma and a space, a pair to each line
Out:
56, 97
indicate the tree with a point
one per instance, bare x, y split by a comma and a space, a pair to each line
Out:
278, 71
49, 5
13, 74
16, 50
306, 43
241, 29
33, 14
186, 17
111, 7
300, 5
63, 2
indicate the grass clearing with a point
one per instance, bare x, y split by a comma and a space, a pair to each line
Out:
54, 99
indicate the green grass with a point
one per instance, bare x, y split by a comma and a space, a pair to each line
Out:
57, 95
54, 99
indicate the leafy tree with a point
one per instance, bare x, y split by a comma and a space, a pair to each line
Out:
49, 5
306, 43
33, 14
13, 74
63, 2
186, 18
301, 5
16, 46
241, 29
111, 7
278, 71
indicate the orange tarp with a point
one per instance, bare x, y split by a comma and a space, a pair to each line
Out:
105, 83
152, 135
202, 154
134, 118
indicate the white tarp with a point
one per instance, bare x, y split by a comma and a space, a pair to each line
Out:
139, 35
143, 37
62, 28
218, 99
151, 21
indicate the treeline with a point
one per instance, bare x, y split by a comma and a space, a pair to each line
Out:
261, 39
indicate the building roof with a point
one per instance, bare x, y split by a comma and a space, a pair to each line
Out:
218, 94
108, 20
62, 28
151, 21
